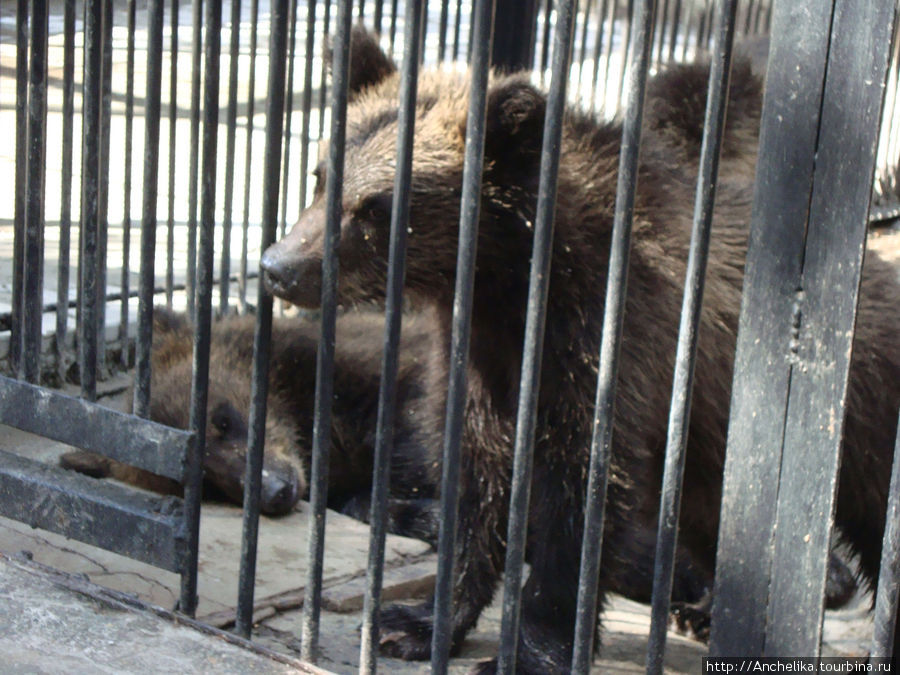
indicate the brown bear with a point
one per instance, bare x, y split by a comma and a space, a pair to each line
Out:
584, 216
289, 419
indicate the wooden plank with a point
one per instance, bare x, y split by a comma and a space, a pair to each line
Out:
788, 131
845, 165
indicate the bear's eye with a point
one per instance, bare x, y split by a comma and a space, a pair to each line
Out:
223, 420
376, 209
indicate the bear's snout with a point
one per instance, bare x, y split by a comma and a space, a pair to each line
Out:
295, 278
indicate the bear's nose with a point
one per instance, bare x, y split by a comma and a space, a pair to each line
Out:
276, 273
294, 277
279, 493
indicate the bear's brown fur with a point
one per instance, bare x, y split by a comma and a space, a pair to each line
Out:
584, 215
289, 419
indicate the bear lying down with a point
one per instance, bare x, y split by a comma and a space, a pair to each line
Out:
289, 419
584, 216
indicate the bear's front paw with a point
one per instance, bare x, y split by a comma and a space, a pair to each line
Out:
406, 631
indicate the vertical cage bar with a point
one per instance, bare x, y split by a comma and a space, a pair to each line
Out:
393, 25
614, 310
90, 154
306, 102
513, 42
598, 51
788, 139
288, 114
626, 51
888, 590
325, 363
103, 188
230, 137
125, 281
323, 75
194, 162
676, 25
685, 357
535, 319
378, 19
457, 26
660, 32
15, 342
588, 5
262, 336
200, 380
470, 209
248, 159
65, 208
173, 123
834, 244
34, 205
442, 30
148, 219
384, 433
424, 31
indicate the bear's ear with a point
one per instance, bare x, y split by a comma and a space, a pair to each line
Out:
515, 120
369, 65
167, 322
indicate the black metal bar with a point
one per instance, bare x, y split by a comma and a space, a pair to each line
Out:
470, 209
16, 325
626, 50
148, 221
513, 46
230, 132
125, 281
887, 593
318, 495
288, 114
545, 43
90, 152
588, 5
146, 526
306, 103
686, 353
834, 247
535, 319
614, 310
202, 323
598, 51
103, 187
65, 208
141, 443
784, 175
424, 32
675, 25
262, 336
251, 109
662, 23
442, 29
457, 26
173, 124
323, 75
379, 16
196, 72
393, 24
384, 433
33, 257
